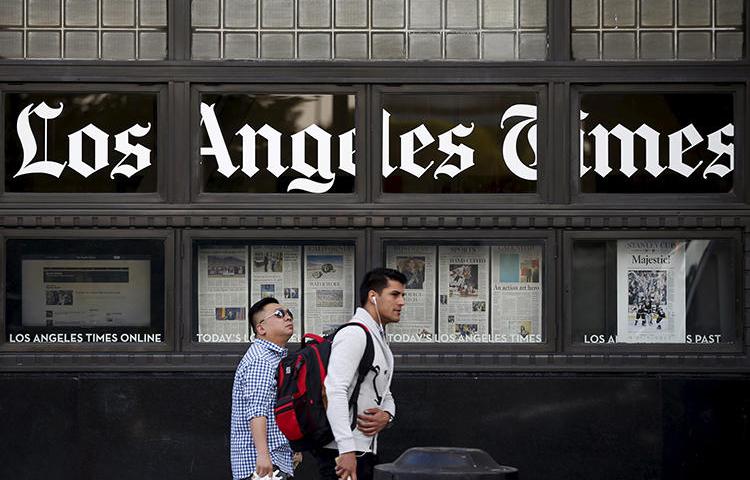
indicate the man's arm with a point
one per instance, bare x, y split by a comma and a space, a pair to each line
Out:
258, 427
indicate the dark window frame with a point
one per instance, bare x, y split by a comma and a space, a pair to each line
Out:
167, 237
360, 156
189, 286
163, 164
547, 238
658, 200
660, 349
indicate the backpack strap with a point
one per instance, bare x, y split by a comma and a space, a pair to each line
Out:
365, 366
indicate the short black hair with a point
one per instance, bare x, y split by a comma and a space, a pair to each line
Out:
257, 308
377, 280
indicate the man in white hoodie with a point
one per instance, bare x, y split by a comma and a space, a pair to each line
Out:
353, 453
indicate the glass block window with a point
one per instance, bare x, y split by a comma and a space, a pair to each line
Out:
657, 29
488, 30
83, 29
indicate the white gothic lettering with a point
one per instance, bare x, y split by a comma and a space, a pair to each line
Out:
31, 165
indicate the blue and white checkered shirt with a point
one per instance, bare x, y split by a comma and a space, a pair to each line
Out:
254, 395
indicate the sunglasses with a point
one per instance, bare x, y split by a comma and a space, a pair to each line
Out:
278, 313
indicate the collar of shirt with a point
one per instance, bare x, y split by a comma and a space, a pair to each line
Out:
362, 316
271, 346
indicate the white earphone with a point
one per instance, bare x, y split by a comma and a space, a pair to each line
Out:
374, 300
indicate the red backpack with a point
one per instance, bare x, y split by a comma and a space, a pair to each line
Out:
300, 396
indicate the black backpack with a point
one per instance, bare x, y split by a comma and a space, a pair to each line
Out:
300, 396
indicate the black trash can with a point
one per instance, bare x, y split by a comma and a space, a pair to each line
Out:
432, 463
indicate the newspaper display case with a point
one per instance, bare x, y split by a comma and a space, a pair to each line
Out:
314, 275
653, 291
80, 291
484, 292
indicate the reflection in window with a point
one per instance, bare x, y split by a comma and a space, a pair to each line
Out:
277, 143
370, 29
654, 291
657, 29
84, 29
469, 292
459, 143
315, 281
85, 291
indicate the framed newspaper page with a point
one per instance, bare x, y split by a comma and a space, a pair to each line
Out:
487, 293
311, 275
653, 291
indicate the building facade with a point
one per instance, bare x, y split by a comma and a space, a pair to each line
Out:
562, 182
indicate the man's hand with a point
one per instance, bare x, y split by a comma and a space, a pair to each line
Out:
372, 421
264, 466
346, 466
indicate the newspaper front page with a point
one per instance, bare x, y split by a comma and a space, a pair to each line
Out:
517, 293
418, 264
222, 295
650, 291
328, 287
276, 273
86, 293
463, 289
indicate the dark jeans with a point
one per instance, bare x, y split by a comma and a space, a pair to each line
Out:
326, 458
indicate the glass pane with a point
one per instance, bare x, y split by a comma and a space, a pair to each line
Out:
729, 13
694, 13
425, 14
43, 13
694, 45
388, 13
277, 45
206, 46
729, 45
462, 14
241, 45
43, 44
474, 292
153, 13
585, 13
11, 13
314, 13
152, 46
118, 13
657, 13
657, 142
314, 280
205, 13
619, 46
388, 46
585, 46
315, 46
533, 46
533, 13
461, 46
241, 13
499, 46
81, 13
499, 13
351, 13
654, 291
619, 13
450, 142
118, 45
79, 154
657, 45
11, 44
425, 46
267, 143
351, 45
86, 290
83, 45
277, 13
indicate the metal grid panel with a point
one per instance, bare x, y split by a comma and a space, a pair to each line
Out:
83, 29
657, 29
369, 29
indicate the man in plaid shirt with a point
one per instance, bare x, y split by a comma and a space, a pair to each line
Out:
257, 444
